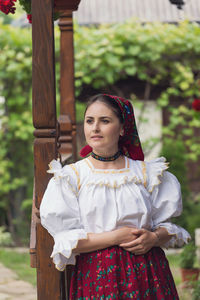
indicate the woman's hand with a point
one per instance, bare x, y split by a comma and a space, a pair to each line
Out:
125, 235
142, 244
97, 241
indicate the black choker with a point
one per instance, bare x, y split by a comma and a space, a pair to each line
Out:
110, 158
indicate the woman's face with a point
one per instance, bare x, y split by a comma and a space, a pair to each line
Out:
102, 129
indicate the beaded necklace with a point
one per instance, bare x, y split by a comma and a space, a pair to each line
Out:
110, 158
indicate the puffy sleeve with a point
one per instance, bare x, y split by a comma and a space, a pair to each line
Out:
59, 212
166, 201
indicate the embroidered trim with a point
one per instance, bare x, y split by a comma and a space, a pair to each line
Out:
71, 187
107, 171
115, 185
61, 269
77, 175
144, 171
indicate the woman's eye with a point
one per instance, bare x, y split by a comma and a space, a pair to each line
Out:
89, 121
105, 121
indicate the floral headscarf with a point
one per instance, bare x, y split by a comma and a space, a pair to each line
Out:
129, 143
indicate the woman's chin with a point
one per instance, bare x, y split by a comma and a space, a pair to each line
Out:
97, 144
97, 149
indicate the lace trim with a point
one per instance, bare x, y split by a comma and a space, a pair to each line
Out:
115, 185
107, 171
175, 235
158, 180
60, 266
77, 175
50, 165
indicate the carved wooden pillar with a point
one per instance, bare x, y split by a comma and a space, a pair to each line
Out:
67, 119
49, 280
51, 284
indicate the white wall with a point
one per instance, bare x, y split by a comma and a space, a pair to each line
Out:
152, 128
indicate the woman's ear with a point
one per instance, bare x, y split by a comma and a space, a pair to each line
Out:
121, 132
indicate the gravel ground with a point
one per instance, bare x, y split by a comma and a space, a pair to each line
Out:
13, 289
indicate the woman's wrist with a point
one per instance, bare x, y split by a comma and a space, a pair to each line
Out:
115, 238
157, 237
162, 236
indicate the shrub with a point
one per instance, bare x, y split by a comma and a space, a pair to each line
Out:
5, 237
196, 291
188, 256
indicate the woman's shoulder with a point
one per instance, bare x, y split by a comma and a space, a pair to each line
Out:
79, 170
80, 166
152, 171
155, 165
62, 171
158, 174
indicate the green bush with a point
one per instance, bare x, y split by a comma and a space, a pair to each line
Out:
5, 238
157, 54
177, 156
188, 256
196, 291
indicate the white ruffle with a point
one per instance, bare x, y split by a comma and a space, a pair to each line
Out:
115, 182
56, 168
59, 172
65, 242
155, 169
179, 235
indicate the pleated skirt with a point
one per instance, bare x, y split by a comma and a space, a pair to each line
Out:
114, 273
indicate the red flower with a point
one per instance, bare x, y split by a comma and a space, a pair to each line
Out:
196, 104
29, 17
7, 6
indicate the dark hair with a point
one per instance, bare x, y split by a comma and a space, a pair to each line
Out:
109, 102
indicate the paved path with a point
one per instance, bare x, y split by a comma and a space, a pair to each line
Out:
11, 288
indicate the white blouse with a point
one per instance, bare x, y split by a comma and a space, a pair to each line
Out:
80, 199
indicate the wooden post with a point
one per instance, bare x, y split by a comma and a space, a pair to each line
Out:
51, 284
49, 280
67, 119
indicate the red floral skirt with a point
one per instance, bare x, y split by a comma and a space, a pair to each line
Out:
114, 273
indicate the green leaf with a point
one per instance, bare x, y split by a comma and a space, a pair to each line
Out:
131, 70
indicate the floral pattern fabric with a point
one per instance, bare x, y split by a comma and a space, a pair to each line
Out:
130, 141
114, 273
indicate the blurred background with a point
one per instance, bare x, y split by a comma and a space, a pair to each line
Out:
144, 50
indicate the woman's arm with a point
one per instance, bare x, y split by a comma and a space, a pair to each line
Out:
97, 241
146, 240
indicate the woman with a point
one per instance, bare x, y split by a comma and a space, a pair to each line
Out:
109, 213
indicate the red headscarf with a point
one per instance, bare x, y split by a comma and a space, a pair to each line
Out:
129, 143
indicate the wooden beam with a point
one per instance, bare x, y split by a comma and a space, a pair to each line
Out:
66, 5
43, 65
67, 119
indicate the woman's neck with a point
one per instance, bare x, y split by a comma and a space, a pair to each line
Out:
105, 152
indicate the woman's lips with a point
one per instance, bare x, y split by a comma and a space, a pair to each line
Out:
96, 137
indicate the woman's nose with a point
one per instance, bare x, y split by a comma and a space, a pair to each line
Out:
96, 127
